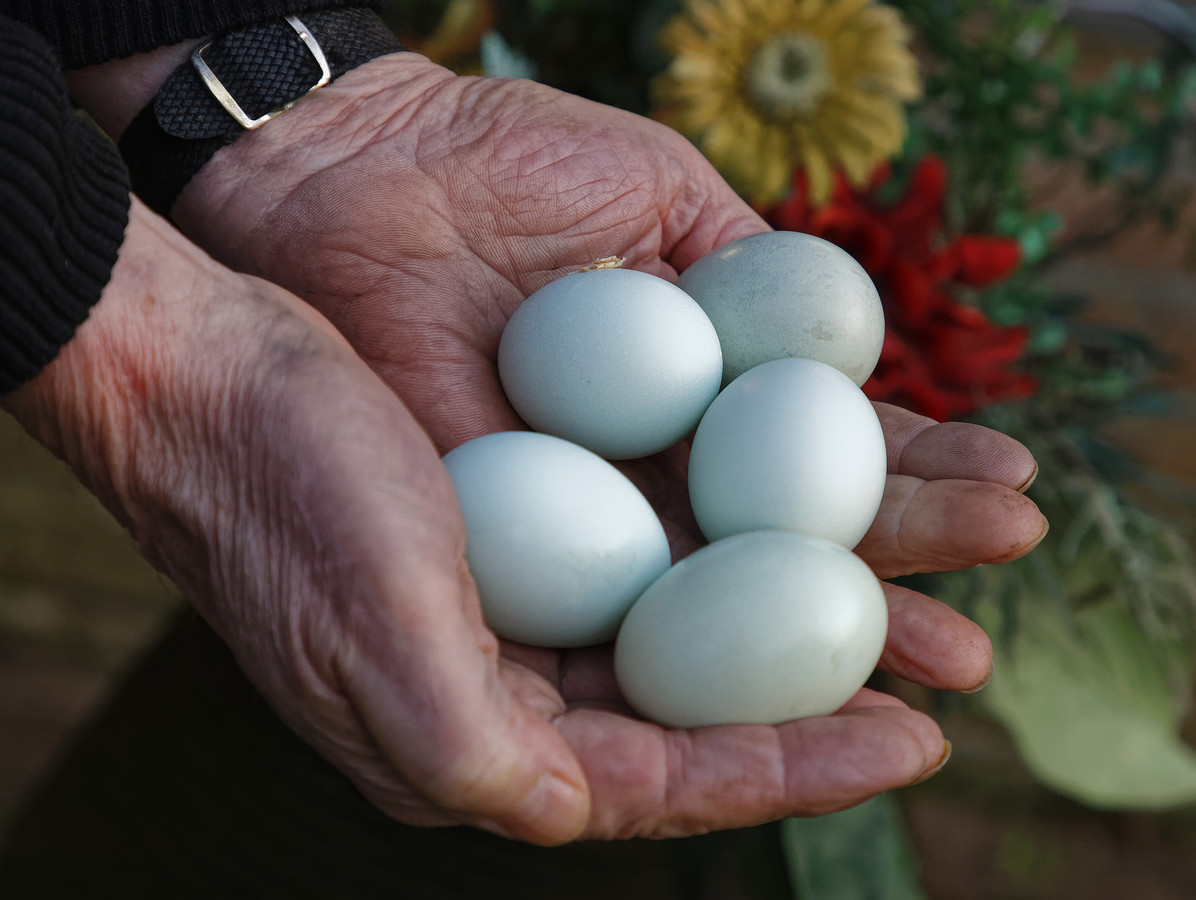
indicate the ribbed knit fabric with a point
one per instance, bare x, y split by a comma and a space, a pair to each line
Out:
94, 31
64, 200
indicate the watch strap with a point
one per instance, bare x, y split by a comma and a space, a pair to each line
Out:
261, 70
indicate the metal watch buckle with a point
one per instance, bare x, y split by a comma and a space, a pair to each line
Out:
220, 92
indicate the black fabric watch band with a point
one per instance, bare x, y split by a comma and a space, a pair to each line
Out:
263, 68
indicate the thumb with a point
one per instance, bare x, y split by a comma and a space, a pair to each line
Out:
475, 741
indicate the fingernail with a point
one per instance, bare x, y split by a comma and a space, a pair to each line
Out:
554, 812
1041, 536
982, 685
1025, 485
933, 770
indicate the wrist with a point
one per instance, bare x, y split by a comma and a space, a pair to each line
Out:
86, 406
118, 403
228, 204
173, 110
114, 92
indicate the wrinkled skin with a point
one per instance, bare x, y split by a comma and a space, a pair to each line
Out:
416, 209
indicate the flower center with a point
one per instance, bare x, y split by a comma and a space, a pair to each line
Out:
788, 75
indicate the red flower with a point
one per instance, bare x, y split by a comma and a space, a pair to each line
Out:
941, 357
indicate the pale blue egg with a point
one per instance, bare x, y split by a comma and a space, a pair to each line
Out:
758, 628
791, 444
619, 361
559, 541
783, 293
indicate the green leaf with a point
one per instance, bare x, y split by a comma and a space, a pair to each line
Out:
1035, 243
1151, 76
1048, 337
1185, 93
501, 60
1094, 706
858, 854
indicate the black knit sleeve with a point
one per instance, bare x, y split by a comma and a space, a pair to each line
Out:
64, 201
95, 31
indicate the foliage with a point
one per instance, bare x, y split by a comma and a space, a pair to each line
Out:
1106, 731
1000, 98
1004, 91
1005, 95
853, 854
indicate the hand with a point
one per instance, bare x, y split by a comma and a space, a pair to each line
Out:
645, 780
417, 209
304, 513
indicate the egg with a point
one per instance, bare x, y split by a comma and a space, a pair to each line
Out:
757, 628
787, 294
559, 541
619, 361
791, 444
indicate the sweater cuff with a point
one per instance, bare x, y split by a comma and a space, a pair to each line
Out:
64, 203
97, 31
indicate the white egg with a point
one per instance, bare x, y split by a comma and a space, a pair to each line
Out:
758, 628
559, 541
792, 444
784, 293
621, 362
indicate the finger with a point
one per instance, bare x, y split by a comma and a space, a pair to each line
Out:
399, 621
932, 450
932, 645
938, 526
473, 748
866, 698
649, 782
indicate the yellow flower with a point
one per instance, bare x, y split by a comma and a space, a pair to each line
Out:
765, 86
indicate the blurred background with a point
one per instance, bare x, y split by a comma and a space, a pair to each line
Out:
1031, 226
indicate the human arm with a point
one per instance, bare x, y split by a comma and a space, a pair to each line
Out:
262, 466
307, 517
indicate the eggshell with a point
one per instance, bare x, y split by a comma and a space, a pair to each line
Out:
792, 444
758, 628
559, 541
784, 293
619, 361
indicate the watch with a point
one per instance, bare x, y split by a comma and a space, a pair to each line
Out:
237, 82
